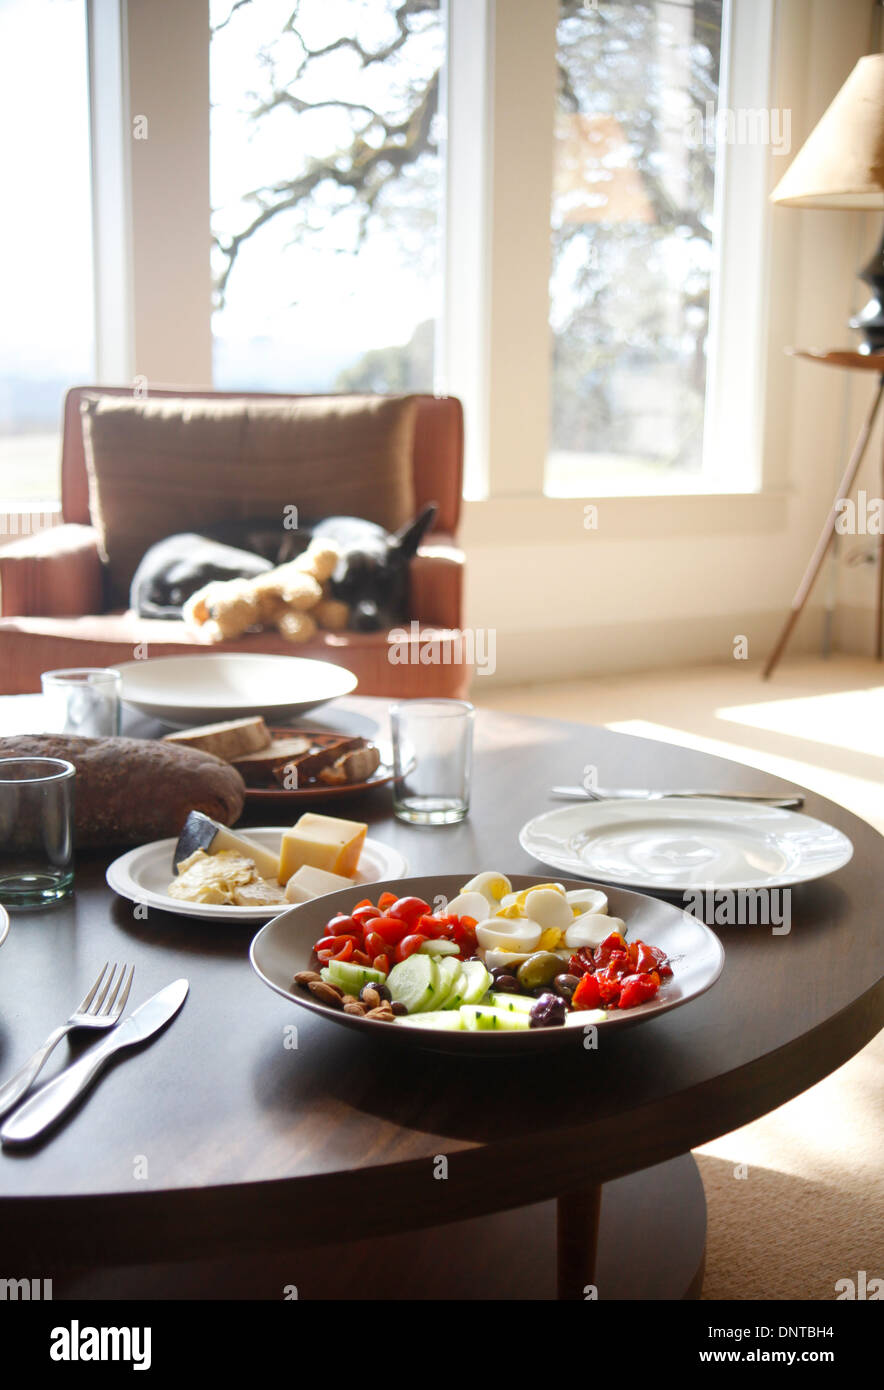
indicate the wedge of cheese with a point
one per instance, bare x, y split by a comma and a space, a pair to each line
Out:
322, 842
201, 832
307, 883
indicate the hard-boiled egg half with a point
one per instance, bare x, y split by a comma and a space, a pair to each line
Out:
504, 934
492, 885
473, 905
591, 929
587, 900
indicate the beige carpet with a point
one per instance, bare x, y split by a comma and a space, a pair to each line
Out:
796, 1199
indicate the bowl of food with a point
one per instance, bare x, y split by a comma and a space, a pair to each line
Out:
487, 963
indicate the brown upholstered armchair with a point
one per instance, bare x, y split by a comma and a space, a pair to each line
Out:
51, 583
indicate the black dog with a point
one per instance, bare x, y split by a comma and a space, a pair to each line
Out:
371, 575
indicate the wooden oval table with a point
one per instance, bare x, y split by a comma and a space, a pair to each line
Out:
313, 1165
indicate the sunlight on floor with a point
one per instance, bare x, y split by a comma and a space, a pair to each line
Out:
843, 719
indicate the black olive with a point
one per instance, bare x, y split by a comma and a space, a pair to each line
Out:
549, 1012
565, 985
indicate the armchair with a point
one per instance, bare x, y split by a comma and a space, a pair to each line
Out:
51, 584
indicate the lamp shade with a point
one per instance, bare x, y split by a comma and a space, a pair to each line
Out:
841, 163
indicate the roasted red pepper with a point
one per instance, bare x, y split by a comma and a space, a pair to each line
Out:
587, 995
638, 989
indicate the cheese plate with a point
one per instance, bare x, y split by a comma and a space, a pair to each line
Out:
143, 875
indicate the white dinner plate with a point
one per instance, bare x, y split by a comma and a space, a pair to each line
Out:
675, 845
285, 946
143, 875
4, 924
203, 689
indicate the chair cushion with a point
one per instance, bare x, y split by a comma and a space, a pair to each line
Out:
31, 645
157, 466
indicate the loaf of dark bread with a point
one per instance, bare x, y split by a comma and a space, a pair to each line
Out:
131, 790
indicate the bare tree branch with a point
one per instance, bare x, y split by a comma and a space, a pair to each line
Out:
365, 168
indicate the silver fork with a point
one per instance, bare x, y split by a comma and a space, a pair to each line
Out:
98, 1010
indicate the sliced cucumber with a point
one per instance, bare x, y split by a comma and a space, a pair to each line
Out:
458, 989
351, 978
478, 981
515, 1003
449, 974
578, 1018
478, 1017
415, 983
438, 947
448, 1022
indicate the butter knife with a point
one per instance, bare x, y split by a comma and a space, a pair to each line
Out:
53, 1099
644, 794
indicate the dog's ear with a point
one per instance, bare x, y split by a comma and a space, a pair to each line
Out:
407, 539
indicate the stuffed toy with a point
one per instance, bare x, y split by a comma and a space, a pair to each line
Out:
291, 598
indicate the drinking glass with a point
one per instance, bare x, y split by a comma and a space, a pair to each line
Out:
432, 760
82, 700
36, 830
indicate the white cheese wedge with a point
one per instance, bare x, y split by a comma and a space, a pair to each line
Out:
201, 832
307, 883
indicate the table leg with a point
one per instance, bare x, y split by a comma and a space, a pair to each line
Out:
577, 1238
826, 535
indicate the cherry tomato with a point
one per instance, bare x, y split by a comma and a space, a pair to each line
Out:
341, 925
363, 902
409, 909
578, 965
360, 958
408, 945
375, 944
431, 926
382, 963
386, 901
346, 950
390, 928
364, 914
324, 956
334, 943
587, 995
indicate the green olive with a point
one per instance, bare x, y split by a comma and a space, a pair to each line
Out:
539, 969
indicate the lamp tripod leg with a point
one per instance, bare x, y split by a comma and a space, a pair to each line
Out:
825, 540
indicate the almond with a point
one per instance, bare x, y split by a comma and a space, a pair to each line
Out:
371, 997
326, 994
355, 1009
304, 977
349, 999
383, 1015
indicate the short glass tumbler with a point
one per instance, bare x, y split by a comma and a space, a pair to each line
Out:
432, 760
82, 700
36, 830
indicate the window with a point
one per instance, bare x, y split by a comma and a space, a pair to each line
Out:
633, 243
46, 300
326, 180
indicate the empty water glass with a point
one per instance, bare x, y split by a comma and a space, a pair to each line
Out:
36, 830
83, 700
432, 760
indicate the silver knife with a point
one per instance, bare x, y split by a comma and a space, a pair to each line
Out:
53, 1099
644, 794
